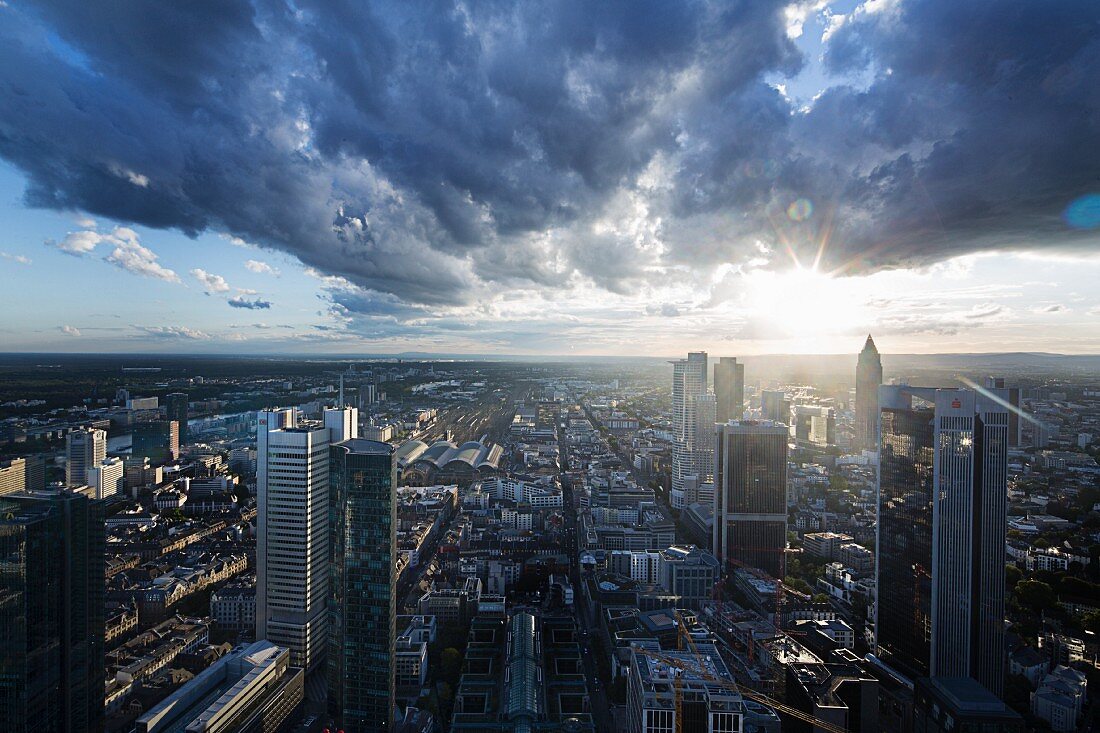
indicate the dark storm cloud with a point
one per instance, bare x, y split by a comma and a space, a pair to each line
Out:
435, 151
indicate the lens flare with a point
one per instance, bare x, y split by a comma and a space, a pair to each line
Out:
800, 210
1083, 213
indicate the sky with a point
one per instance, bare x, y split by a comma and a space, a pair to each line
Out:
634, 178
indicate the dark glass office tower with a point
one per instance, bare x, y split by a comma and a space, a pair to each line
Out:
157, 440
904, 545
729, 389
175, 408
362, 609
941, 533
51, 613
750, 495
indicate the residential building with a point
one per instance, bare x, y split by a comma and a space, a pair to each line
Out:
53, 613
1060, 698
750, 517
941, 534
362, 600
84, 448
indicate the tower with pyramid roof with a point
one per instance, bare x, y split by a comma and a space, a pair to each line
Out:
868, 380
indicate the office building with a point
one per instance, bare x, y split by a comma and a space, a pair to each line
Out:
13, 476
709, 699
689, 384
688, 572
175, 408
837, 693
729, 389
775, 406
750, 495
941, 534
292, 532
83, 448
157, 440
107, 478
252, 689
363, 586
868, 380
53, 612
142, 403
960, 705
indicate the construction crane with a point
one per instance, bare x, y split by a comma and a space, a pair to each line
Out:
747, 694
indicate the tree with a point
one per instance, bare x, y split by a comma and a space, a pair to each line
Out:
1034, 594
798, 584
820, 598
450, 663
1013, 575
1091, 622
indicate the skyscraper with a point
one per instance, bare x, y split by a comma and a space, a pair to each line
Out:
83, 448
775, 406
292, 531
689, 381
175, 408
52, 616
363, 587
868, 379
750, 495
941, 533
157, 440
729, 389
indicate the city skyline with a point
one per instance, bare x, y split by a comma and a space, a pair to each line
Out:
507, 230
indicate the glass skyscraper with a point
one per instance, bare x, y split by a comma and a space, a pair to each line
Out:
175, 408
51, 613
942, 505
750, 495
363, 585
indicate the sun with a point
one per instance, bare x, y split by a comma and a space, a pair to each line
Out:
804, 306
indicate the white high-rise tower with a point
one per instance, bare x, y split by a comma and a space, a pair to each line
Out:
292, 528
689, 383
84, 448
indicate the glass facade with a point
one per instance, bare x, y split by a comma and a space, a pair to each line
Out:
51, 601
751, 495
904, 620
362, 613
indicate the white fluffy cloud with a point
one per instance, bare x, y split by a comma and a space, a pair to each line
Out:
70, 330
131, 256
128, 254
260, 268
211, 283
